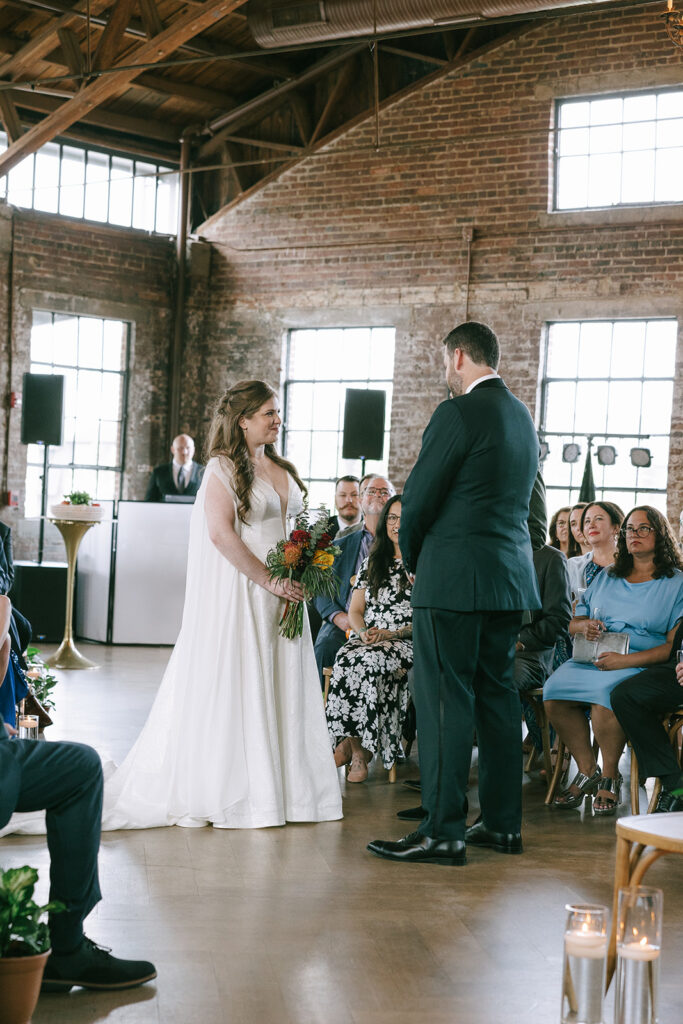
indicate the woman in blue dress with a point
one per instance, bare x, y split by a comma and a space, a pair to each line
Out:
642, 595
13, 686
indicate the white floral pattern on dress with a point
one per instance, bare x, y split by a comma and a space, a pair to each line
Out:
368, 693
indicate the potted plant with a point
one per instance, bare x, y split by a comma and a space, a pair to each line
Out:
24, 944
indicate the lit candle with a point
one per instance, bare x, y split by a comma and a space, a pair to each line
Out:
592, 945
669, 5
642, 950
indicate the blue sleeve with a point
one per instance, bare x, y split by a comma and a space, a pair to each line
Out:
677, 606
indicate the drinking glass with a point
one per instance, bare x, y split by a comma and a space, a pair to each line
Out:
639, 941
584, 964
27, 726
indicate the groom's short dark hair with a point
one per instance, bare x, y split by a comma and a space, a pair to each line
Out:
477, 341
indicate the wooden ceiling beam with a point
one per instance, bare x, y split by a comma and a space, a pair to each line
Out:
141, 126
189, 24
247, 113
343, 79
46, 39
150, 18
71, 49
10, 118
302, 116
185, 90
111, 40
413, 55
283, 147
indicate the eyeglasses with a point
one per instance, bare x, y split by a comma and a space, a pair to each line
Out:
640, 531
391, 518
382, 490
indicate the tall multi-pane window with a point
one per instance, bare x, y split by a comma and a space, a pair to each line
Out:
619, 150
319, 366
92, 354
611, 380
94, 185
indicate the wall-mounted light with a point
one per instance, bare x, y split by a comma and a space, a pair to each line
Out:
641, 457
674, 24
545, 449
607, 454
571, 452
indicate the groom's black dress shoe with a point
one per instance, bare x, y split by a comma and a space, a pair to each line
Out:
418, 849
503, 842
412, 814
667, 802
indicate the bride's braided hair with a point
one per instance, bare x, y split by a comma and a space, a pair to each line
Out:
226, 438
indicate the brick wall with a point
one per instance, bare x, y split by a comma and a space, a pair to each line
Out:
54, 263
351, 235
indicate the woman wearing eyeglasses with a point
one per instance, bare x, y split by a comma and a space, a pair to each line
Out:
642, 595
368, 695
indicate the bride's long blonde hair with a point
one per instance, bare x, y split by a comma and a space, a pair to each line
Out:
226, 438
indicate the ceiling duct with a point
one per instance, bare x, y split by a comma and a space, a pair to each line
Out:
283, 22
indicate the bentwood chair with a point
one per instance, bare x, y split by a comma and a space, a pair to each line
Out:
673, 723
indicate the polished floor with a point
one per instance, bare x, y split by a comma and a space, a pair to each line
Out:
299, 925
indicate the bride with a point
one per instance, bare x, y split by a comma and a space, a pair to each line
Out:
237, 734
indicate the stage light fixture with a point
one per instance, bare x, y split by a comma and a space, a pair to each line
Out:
571, 453
607, 455
545, 448
641, 457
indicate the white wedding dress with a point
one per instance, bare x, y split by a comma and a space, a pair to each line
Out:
237, 736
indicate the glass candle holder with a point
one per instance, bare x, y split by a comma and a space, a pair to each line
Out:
639, 941
27, 727
584, 964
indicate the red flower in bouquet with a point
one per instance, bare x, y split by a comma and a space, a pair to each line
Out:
324, 542
300, 536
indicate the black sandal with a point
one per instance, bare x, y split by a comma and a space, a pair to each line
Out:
608, 805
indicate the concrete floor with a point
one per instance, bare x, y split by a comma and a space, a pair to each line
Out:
299, 925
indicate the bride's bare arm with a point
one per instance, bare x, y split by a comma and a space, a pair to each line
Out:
219, 509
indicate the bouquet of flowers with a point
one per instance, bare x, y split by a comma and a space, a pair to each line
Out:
307, 557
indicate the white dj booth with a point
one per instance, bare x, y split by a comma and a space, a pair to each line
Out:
131, 574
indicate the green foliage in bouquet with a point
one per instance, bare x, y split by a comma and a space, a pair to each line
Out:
22, 932
79, 498
307, 557
41, 679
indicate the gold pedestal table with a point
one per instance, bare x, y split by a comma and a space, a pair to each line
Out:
67, 655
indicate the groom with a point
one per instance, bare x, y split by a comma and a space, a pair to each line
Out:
464, 534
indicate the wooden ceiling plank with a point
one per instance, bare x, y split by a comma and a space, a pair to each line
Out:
302, 116
10, 118
46, 39
185, 90
188, 25
110, 42
247, 112
73, 55
150, 18
466, 41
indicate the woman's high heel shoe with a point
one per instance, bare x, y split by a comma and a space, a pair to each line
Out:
608, 804
587, 785
343, 752
358, 769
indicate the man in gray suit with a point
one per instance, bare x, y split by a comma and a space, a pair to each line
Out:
464, 534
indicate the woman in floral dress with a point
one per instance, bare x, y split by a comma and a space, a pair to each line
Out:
368, 693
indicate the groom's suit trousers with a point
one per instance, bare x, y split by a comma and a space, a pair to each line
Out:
464, 669
65, 779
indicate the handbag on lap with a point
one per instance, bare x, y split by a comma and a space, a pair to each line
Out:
586, 651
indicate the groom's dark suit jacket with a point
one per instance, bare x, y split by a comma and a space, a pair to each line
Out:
465, 506
9, 777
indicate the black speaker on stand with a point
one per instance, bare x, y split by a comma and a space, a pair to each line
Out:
42, 411
364, 414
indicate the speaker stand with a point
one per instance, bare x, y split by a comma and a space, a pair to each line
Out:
43, 505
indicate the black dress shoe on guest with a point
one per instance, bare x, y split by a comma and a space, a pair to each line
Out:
412, 814
667, 802
503, 842
418, 849
412, 784
93, 966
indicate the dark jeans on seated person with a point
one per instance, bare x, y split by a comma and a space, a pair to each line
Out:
530, 673
66, 780
327, 643
640, 703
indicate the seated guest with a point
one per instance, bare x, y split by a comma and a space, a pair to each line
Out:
640, 704
535, 647
538, 514
575, 513
642, 595
6, 559
347, 503
354, 548
65, 779
600, 523
561, 536
368, 695
13, 686
180, 476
